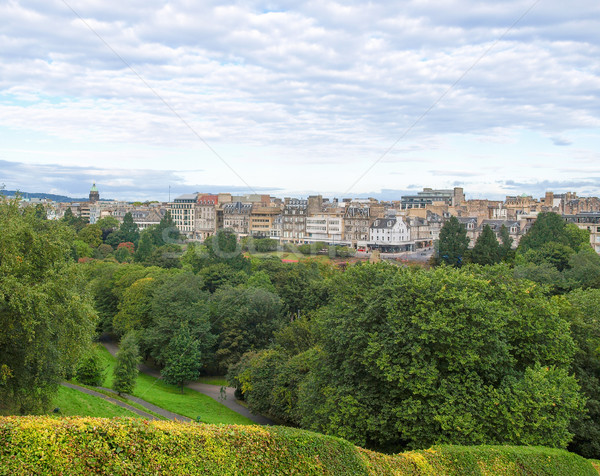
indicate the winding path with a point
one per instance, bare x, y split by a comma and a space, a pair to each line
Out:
212, 391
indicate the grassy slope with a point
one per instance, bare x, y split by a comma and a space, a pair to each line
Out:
42, 445
191, 403
74, 403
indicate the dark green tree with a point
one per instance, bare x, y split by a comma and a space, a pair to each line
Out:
107, 225
127, 232
486, 249
126, 368
179, 300
244, 319
46, 315
550, 227
453, 243
40, 212
506, 242
166, 232
145, 247
583, 313
90, 370
183, 358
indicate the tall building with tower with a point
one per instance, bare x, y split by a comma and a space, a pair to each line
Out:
94, 194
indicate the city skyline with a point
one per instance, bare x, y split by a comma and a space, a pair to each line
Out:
291, 100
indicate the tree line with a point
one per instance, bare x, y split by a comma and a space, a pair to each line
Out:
388, 357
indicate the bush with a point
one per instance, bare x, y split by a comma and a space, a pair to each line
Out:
45, 445
90, 371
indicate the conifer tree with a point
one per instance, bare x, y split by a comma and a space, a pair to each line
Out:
506, 244
486, 249
126, 369
453, 243
183, 358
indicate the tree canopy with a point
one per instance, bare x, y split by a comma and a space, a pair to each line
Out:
453, 243
46, 317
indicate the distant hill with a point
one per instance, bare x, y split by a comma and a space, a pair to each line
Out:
49, 196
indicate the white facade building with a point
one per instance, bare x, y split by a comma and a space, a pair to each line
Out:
389, 233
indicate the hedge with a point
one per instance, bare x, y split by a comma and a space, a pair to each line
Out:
120, 446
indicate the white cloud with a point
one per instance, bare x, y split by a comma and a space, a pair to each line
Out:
324, 81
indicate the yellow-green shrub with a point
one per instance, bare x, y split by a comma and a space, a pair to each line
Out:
46, 445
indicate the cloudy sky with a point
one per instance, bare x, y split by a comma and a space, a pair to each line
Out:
287, 97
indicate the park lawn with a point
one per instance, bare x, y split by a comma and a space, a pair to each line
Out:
191, 404
75, 403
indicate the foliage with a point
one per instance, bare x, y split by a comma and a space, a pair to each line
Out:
223, 247
82, 249
135, 306
583, 314
258, 245
124, 255
166, 232
145, 247
127, 232
218, 275
183, 358
506, 242
549, 227
178, 302
486, 249
92, 235
127, 244
126, 368
107, 225
166, 256
410, 357
90, 370
244, 319
103, 251
453, 243
77, 223
37, 445
46, 315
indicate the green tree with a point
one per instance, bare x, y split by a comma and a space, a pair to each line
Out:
411, 357
82, 249
550, 227
506, 242
183, 358
583, 313
453, 243
135, 306
40, 212
46, 316
178, 301
90, 370
486, 249
145, 247
70, 219
127, 232
107, 225
92, 235
126, 367
166, 232
244, 319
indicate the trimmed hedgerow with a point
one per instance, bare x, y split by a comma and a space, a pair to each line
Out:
45, 445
